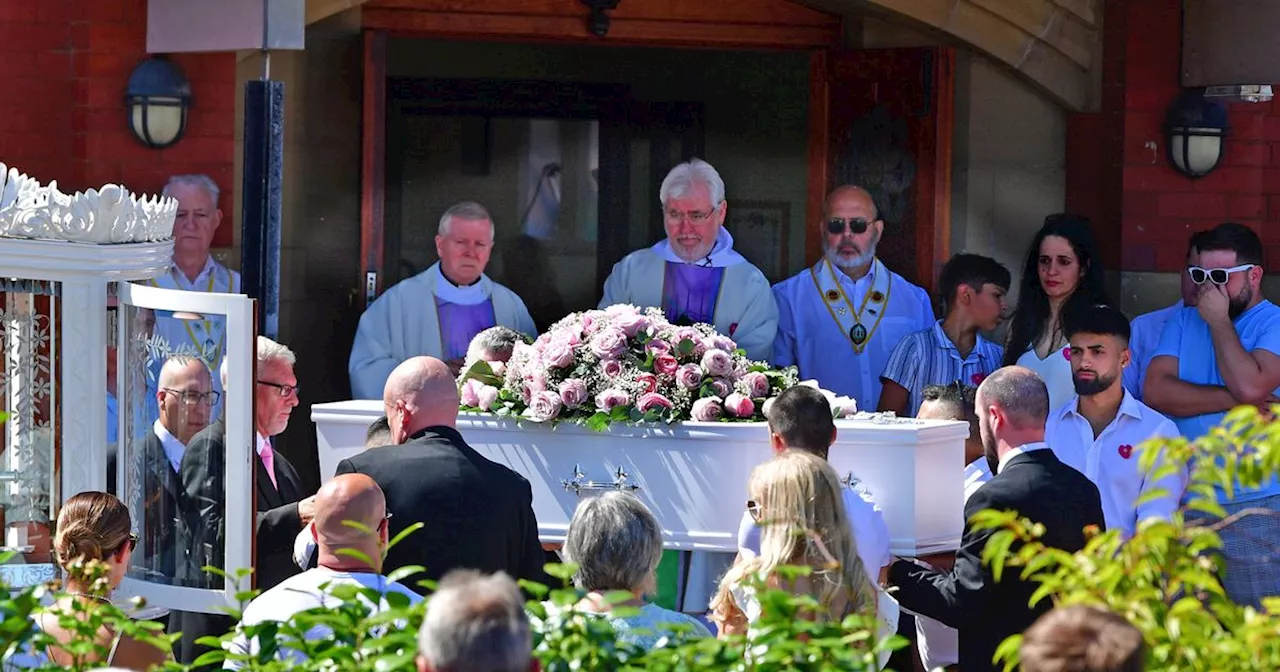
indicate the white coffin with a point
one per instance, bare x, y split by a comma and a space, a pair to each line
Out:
693, 476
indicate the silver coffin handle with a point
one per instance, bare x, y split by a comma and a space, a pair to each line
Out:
579, 482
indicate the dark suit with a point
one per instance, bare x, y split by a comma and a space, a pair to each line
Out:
477, 514
159, 490
1036, 485
277, 524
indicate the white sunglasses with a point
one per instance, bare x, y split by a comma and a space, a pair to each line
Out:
1217, 276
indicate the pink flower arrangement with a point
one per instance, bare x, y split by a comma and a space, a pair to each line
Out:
624, 364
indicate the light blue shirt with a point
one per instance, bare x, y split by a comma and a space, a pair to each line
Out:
929, 357
1143, 340
1186, 337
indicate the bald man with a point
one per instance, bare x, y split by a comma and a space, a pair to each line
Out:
839, 320
350, 530
477, 514
1012, 406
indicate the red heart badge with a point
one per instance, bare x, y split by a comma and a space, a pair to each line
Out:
732, 328
1126, 451
1066, 353
977, 378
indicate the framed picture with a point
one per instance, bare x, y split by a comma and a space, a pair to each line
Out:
760, 230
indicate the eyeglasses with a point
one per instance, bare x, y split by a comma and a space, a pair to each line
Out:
856, 225
1217, 276
754, 509
284, 390
693, 216
191, 398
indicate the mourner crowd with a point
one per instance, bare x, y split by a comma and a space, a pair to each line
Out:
1056, 412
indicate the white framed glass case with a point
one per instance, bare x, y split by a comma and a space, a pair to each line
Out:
182, 461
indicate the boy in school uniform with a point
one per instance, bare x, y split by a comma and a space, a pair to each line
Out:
973, 289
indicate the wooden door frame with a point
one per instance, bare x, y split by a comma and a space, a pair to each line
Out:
933, 175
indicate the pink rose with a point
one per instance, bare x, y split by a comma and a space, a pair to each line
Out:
470, 393
558, 354
610, 343
768, 406
611, 368
619, 309
652, 401
532, 385
573, 392
739, 406
488, 395
631, 323
689, 334
648, 382
689, 376
545, 406
707, 409
721, 386
665, 365
612, 398
590, 319
498, 368
657, 347
717, 362
721, 343
757, 383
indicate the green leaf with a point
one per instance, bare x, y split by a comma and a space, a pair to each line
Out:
598, 422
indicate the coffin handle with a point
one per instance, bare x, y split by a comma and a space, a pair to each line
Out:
579, 483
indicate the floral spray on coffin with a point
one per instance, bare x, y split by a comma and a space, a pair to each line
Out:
624, 364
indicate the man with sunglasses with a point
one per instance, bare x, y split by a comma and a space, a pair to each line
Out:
694, 275
1223, 353
839, 320
1146, 328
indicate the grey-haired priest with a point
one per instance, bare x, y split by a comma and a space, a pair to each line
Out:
839, 320
694, 274
437, 312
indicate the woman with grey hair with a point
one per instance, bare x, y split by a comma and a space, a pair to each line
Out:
616, 543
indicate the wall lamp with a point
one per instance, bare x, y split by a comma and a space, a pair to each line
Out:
157, 98
1195, 128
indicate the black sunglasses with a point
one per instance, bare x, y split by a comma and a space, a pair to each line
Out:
754, 509
837, 226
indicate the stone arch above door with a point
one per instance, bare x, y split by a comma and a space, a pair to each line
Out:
1055, 44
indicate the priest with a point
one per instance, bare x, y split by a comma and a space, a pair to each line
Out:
694, 275
839, 320
437, 312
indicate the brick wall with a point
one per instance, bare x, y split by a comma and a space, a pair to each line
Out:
1117, 170
64, 65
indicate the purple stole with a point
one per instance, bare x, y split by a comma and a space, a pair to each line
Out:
459, 324
689, 292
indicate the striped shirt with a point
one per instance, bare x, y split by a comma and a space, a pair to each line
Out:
930, 358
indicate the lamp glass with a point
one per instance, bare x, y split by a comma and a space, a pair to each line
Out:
158, 118
1194, 153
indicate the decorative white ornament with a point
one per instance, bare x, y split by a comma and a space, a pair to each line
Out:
110, 215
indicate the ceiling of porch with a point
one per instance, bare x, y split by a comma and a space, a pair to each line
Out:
1055, 44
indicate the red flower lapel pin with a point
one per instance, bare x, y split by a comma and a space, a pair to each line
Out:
977, 378
1066, 353
1126, 451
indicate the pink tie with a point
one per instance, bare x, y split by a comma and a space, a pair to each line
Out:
269, 461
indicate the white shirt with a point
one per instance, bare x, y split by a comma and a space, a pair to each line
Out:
870, 533
1055, 371
173, 448
308, 590
1111, 460
976, 473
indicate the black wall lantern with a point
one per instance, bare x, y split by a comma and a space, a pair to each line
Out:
157, 99
1194, 131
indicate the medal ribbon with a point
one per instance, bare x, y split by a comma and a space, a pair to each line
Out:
875, 301
201, 350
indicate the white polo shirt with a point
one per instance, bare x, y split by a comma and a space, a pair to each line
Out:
1111, 460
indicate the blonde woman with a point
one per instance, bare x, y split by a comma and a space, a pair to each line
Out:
92, 526
797, 500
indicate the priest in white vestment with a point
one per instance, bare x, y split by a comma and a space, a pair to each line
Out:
839, 320
694, 275
438, 311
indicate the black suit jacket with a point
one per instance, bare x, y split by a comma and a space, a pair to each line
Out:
1036, 485
277, 524
477, 514
161, 549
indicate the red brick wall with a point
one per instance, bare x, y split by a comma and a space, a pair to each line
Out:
64, 65
1143, 209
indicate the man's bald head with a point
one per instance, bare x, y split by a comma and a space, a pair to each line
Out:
185, 397
1020, 392
349, 514
179, 369
420, 393
847, 193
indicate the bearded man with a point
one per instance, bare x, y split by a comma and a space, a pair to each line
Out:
839, 320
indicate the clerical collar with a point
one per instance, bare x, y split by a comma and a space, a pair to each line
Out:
469, 295
721, 254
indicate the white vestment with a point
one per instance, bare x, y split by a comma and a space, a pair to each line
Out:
744, 308
403, 323
811, 337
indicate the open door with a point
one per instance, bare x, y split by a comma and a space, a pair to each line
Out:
882, 119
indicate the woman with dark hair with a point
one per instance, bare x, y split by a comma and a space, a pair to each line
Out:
92, 527
1062, 274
